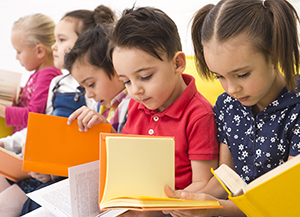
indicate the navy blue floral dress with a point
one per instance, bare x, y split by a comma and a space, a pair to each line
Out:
262, 142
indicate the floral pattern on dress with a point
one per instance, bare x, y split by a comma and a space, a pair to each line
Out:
262, 142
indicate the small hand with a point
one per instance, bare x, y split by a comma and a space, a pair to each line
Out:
189, 196
1, 144
86, 118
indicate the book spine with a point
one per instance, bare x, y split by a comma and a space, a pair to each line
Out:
247, 206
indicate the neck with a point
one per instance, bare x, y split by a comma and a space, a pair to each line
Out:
45, 63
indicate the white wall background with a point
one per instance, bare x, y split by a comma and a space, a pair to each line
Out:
181, 11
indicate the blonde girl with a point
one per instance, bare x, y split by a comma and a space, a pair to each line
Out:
32, 37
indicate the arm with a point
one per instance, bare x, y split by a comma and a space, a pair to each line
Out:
201, 174
213, 187
18, 116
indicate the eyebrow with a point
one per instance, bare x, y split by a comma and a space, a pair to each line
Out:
82, 82
137, 71
235, 70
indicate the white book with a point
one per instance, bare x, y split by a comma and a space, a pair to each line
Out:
76, 196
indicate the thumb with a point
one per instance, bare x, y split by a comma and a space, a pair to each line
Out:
171, 193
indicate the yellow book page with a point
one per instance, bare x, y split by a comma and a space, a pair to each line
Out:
162, 203
138, 166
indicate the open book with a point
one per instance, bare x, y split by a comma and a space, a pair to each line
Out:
134, 171
9, 87
73, 197
11, 166
274, 194
52, 146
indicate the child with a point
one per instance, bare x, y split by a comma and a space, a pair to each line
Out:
32, 37
62, 100
146, 52
257, 117
90, 67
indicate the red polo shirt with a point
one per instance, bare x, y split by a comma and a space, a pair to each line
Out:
189, 119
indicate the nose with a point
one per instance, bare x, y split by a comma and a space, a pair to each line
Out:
136, 89
233, 87
89, 94
53, 47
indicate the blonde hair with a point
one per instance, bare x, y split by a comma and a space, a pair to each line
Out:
36, 29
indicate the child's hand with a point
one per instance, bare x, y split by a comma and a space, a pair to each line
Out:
1, 144
86, 118
41, 177
189, 196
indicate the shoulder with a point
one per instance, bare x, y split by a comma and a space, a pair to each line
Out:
48, 73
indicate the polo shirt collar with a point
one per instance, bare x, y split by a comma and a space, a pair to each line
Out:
176, 109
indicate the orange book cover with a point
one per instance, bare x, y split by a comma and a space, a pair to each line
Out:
11, 166
52, 146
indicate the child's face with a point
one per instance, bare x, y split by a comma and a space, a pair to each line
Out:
243, 72
96, 82
65, 38
148, 80
26, 54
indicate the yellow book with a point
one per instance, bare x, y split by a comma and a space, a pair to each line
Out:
52, 146
274, 194
11, 166
135, 169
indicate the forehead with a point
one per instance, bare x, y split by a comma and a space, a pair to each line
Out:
66, 27
221, 56
133, 60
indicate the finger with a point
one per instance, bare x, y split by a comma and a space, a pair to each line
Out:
74, 115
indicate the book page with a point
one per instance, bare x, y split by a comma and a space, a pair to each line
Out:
84, 191
40, 212
232, 181
84, 188
55, 198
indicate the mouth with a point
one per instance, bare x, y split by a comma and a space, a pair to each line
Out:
101, 101
243, 98
144, 100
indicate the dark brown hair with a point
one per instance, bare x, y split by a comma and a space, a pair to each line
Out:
271, 26
91, 46
86, 19
148, 29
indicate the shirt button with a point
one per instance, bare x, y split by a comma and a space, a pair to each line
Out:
151, 131
156, 118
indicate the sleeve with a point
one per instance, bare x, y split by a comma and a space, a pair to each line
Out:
203, 144
14, 142
18, 116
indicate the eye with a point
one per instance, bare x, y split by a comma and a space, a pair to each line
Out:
62, 39
147, 77
91, 85
126, 82
244, 75
218, 76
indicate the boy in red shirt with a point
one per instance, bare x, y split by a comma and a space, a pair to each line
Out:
145, 49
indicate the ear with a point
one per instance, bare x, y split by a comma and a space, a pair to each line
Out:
41, 51
180, 62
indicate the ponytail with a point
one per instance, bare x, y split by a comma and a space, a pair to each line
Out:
197, 40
